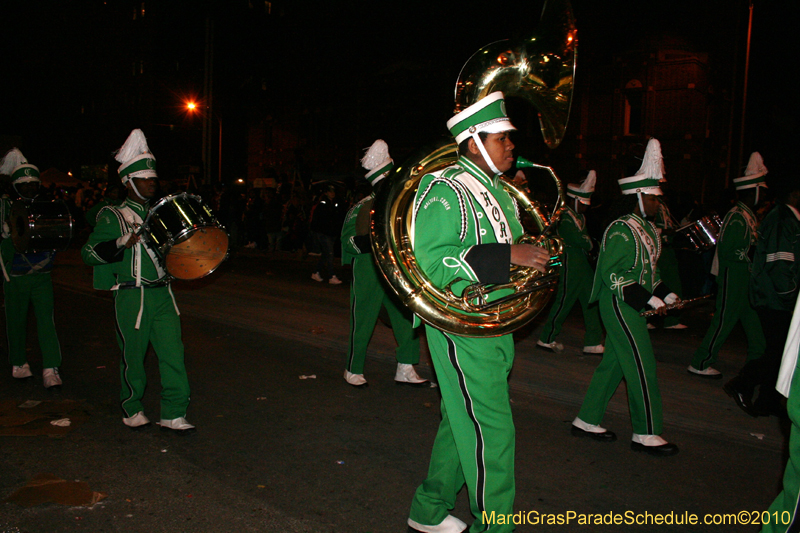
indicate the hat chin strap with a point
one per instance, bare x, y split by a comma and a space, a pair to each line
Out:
133, 184
25, 197
641, 205
484, 153
757, 191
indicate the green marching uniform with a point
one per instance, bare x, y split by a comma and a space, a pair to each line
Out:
475, 442
668, 262
145, 309
737, 235
26, 281
367, 295
625, 279
29, 282
574, 282
783, 513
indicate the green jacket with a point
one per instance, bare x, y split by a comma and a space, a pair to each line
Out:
462, 227
776, 273
736, 236
627, 265
353, 245
113, 264
572, 230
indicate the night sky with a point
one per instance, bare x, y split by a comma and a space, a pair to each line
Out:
66, 64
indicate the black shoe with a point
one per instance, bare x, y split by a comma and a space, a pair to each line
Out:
606, 436
743, 399
664, 450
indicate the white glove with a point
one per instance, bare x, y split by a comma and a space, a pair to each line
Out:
122, 241
655, 302
671, 298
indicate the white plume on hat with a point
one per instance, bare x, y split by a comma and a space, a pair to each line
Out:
377, 161
755, 167
134, 146
11, 161
377, 155
652, 163
583, 192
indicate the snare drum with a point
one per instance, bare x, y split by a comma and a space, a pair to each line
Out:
40, 226
702, 234
186, 235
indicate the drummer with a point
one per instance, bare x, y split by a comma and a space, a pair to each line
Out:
732, 267
145, 306
26, 280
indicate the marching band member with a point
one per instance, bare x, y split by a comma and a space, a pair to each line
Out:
464, 226
367, 294
668, 261
145, 307
626, 281
574, 283
774, 287
732, 268
27, 280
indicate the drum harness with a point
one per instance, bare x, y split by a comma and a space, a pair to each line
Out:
133, 220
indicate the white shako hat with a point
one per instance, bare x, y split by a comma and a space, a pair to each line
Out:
487, 115
377, 161
753, 174
136, 159
583, 192
649, 175
15, 164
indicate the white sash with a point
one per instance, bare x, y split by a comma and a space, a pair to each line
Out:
490, 205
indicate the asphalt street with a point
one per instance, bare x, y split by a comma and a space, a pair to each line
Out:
284, 444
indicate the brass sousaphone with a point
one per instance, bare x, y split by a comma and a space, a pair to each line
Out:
540, 69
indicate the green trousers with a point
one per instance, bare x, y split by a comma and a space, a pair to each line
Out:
733, 306
574, 284
783, 513
628, 355
671, 276
161, 326
367, 295
475, 441
20, 292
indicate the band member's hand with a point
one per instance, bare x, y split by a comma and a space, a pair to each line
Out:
658, 304
127, 240
519, 179
530, 256
672, 298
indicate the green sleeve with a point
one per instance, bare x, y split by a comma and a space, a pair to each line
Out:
107, 229
572, 235
617, 257
349, 248
735, 243
439, 227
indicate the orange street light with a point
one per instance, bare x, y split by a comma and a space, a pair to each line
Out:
191, 106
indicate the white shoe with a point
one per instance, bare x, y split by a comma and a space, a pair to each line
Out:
587, 427
450, 524
316, 277
599, 348
178, 425
137, 421
335, 281
407, 375
677, 326
356, 380
51, 378
21, 372
650, 326
552, 346
710, 373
